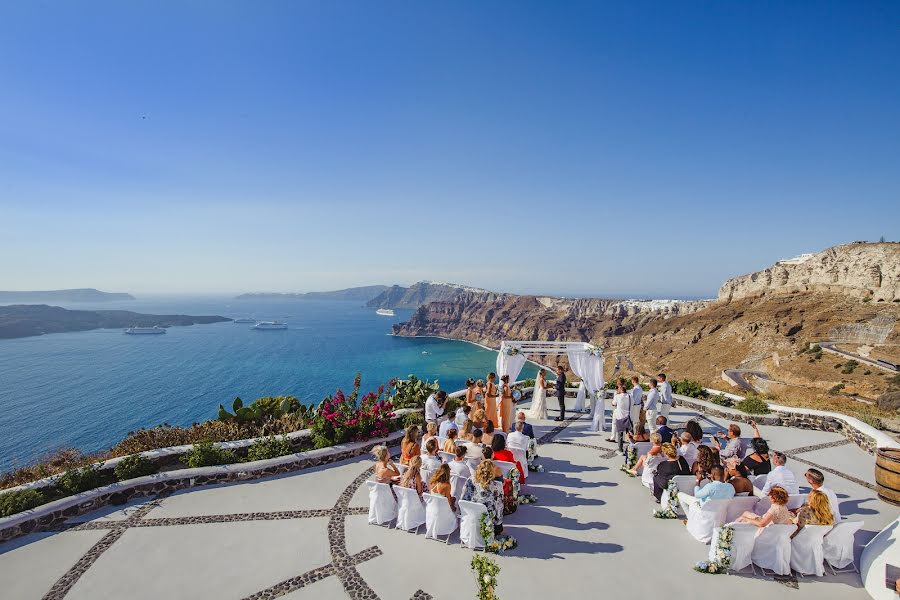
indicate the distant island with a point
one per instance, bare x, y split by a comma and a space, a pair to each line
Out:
76, 295
358, 294
26, 320
421, 293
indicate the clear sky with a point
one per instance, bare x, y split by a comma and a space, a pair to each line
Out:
558, 147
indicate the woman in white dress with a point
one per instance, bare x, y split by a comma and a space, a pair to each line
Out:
538, 408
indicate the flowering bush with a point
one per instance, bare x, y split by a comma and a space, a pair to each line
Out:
486, 572
340, 419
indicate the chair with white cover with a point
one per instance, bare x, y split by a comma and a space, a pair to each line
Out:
737, 506
401, 468
649, 469
519, 455
441, 441
772, 549
758, 481
470, 524
702, 520
742, 538
505, 466
447, 456
763, 504
641, 448
382, 505
795, 501
411, 511
426, 474
473, 463
807, 555
685, 484
440, 520
838, 546
457, 486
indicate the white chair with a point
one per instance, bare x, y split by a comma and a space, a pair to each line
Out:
473, 463
795, 501
758, 481
641, 448
441, 441
470, 524
742, 538
459, 441
411, 511
685, 483
737, 506
401, 468
426, 474
440, 520
505, 466
772, 549
649, 469
447, 456
807, 556
457, 486
382, 505
838, 546
519, 455
763, 504
703, 520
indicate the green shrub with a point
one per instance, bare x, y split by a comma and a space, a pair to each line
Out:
816, 349
415, 418
527, 383
836, 389
721, 400
134, 466
19, 500
205, 454
412, 391
849, 366
270, 447
752, 405
688, 387
80, 480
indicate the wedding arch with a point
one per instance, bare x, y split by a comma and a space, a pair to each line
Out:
585, 360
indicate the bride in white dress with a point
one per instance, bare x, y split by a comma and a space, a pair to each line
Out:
538, 408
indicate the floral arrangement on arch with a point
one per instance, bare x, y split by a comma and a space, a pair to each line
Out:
341, 418
485, 571
722, 553
511, 351
671, 510
496, 544
594, 351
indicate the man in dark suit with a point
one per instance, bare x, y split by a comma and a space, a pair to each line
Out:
561, 392
663, 430
527, 429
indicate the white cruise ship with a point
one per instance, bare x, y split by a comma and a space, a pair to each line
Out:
145, 330
385, 312
270, 325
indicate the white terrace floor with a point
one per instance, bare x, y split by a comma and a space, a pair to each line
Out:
305, 536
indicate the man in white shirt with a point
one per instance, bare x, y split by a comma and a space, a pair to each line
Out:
462, 415
475, 447
621, 410
816, 481
637, 401
434, 406
781, 476
517, 438
651, 405
665, 395
687, 448
458, 465
447, 425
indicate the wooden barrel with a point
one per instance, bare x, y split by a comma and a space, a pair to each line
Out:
887, 474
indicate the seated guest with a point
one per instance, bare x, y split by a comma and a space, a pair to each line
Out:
758, 463
640, 434
705, 462
696, 431
517, 437
440, 484
484, 489
431, 460
458, 465
817, 512
737, 477
466, 432
662, 428
431, 430
473, 446
648, 461
733, 448
669, 468
447, 425
487, 435
716, 489
478, 418
412, 476
687, 448
385, 469
528, 429
501, 453
409, 447
781, 476
777, 514
462, 413
450, 442
816, 481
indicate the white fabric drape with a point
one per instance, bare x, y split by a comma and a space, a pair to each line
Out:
509, 365
589, 368
579, 397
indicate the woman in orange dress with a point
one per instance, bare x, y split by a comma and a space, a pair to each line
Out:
479, 393
490, 398
506, 405
409, 447
470, 394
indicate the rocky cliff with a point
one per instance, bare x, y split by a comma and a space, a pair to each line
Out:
420, 293
860, 270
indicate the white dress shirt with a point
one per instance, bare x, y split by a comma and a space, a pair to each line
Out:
432, 410
445, 427
832, 502
665, 392
689, 452
460, 417
637, 394
519, 440
621, 405
430, 462
782, 477
652, 399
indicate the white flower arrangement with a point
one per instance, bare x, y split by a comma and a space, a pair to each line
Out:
531, 452
496, 544
527, 499
670, 511
630, 461
511, 351
513, 476
594, 351
722, 554
536, 468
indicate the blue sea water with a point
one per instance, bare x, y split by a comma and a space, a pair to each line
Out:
89, 389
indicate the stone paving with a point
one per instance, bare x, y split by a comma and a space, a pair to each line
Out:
306, 535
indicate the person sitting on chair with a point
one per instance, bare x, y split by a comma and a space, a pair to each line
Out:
431, 430
484, 489
705, 462
517, 437
777, 514
817, 512
527, 428
655, 450
781, 476
816, 481
440, 484
487, 435
672, 466
716, 489
431, 460
462, 413
734, 447
458, 465
385, 469
501, 453
686, 447
758, 463
450, 442
412, 477
409, 447
737, 477
473, 447
662, 428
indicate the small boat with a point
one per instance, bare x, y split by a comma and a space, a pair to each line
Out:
145, 330
270, 325
385, 312
244, 320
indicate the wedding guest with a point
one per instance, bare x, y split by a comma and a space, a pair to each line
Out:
561, 392
473, 446
637, 401
470, 393
737, 477
431, 460
696, 431
440, 484
621, 403
781, 476
450, 442
487, 435
665, 395
733, 448
816, 512
505, 411
409, 447
501, 453
646, 459
687, 448
640, 434
517, 437
651, 404
705, 462
672, 466
447, 425
479, 393
412, 476
458, 465
716, 489
778, 514
490, 397
758, 463
484, 489
434, 405
528, 429
662, 428
385, 469
468, 428
816, 481
462, 414
431, 430
478, 418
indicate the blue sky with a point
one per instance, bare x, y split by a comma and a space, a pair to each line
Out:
578, 147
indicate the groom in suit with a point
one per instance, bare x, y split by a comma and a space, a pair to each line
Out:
561, 392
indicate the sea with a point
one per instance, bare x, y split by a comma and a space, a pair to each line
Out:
87, 390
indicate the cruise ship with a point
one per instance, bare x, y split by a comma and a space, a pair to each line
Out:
270, 325
385, 312
145, 330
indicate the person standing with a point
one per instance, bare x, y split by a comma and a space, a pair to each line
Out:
505, 410
665, 395
539, 398
490, 398
561, 392
637, 401
621, 414
434, 406
651, 404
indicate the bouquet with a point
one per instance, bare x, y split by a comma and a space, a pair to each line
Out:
671, 510
722, 552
